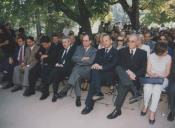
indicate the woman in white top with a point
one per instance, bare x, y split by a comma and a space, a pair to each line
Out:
159, 64
142, 46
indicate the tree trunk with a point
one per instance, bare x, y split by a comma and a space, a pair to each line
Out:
38, 24
85, 24
132, 12
84, 17
135, 15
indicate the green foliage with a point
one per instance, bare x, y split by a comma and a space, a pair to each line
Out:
42, 13
160, 11
27, 13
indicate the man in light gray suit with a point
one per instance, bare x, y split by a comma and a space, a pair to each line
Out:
21, 72
83, 58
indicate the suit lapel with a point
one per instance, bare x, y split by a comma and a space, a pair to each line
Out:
128, 53
110, 51
88, 52
135, 55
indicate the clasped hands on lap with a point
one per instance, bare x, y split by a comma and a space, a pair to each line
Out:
96, 67
131, 75
59, 65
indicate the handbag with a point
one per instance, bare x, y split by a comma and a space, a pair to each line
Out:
151, 80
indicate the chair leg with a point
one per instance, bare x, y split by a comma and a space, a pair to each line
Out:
114, 95
85, 86
71, 92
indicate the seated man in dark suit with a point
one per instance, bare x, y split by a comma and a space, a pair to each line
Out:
171, 92
16, 59
63, 66
132, 65
46, 55
101, 71
83, 58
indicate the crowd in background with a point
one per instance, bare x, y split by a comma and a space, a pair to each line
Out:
113, 54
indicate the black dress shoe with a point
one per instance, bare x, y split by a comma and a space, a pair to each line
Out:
143, 113
151, 121
54, 98
16, 88
8, 86
44, 96
171, 116
78, 102
29, 92
114, 114
86, 110
61, 95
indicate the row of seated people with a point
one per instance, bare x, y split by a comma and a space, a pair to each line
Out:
53, 64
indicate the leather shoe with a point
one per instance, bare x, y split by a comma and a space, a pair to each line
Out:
86, 110
143, 113
54, 98
16, 88
151, 121
8, 86
78, 102
171, 116
44, 96
114, 114
61, 95
29, 92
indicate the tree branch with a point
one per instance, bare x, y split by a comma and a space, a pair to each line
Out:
112, 2
145, 6
124, 5
61, 6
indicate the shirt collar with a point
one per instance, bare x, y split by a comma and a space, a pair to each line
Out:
67, 49
108, 49
87, 48
134, 50
32, 47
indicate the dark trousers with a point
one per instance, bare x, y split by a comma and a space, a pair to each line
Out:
125, 85
171, 95
5, 66
56, 76
42, 71
97, 78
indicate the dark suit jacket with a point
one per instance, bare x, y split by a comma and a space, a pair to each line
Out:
52, 53
59, 46
15, 54
68, 65
108, 61
137, 64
